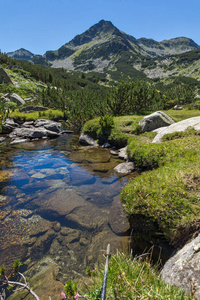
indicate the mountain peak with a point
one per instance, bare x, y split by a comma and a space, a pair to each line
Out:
21, 54
96, 31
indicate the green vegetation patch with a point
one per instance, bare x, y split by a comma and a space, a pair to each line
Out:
54, 114
170, 194
132, 279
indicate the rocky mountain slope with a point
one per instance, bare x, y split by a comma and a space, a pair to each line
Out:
104, 48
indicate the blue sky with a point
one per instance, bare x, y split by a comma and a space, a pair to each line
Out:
41, 25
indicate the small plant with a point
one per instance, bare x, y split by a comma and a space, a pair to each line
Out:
2, 270
106, 123
71, 288
16, 265
19, 285
89, 272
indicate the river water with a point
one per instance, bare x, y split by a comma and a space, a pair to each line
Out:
59, 203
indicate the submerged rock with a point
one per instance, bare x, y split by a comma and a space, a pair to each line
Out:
117, 218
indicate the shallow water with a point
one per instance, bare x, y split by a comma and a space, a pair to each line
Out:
59, 203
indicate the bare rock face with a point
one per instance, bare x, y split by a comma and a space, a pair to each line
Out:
156, 120
182, 270
177, 127
4, 77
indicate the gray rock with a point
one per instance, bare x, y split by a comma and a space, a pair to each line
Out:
177, 127
33, 133
176, 107
113, 153
32, 108
156, 120
4, 77
8, 126
122, 153
106, 145
19, 140
17, 99
2, 139
54, 126
28, 124
48, 124
85, 139
117, 217
125, 168
183, 269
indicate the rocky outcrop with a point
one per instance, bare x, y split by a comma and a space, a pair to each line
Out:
156, 120
27, 131
8, 126
182, 270
4, 77
33, 133
17, 99
86, 140
177, 127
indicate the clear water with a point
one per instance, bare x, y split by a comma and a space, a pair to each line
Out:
59, 202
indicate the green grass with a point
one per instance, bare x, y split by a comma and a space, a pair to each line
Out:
132, 279
179, 115
54, 114
170, 194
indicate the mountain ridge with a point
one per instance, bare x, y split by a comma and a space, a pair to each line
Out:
105, 48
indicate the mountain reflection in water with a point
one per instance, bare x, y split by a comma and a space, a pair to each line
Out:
59, 204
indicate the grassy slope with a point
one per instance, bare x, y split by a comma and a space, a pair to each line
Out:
26, 86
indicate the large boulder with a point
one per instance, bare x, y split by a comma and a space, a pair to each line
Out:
33, 133
156, 120
182, 270
4, 77
177, 127
17, 99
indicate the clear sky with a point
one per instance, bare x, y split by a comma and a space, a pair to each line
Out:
41, 25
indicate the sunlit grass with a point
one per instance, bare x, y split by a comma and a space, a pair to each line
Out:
132, 279
55, 114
